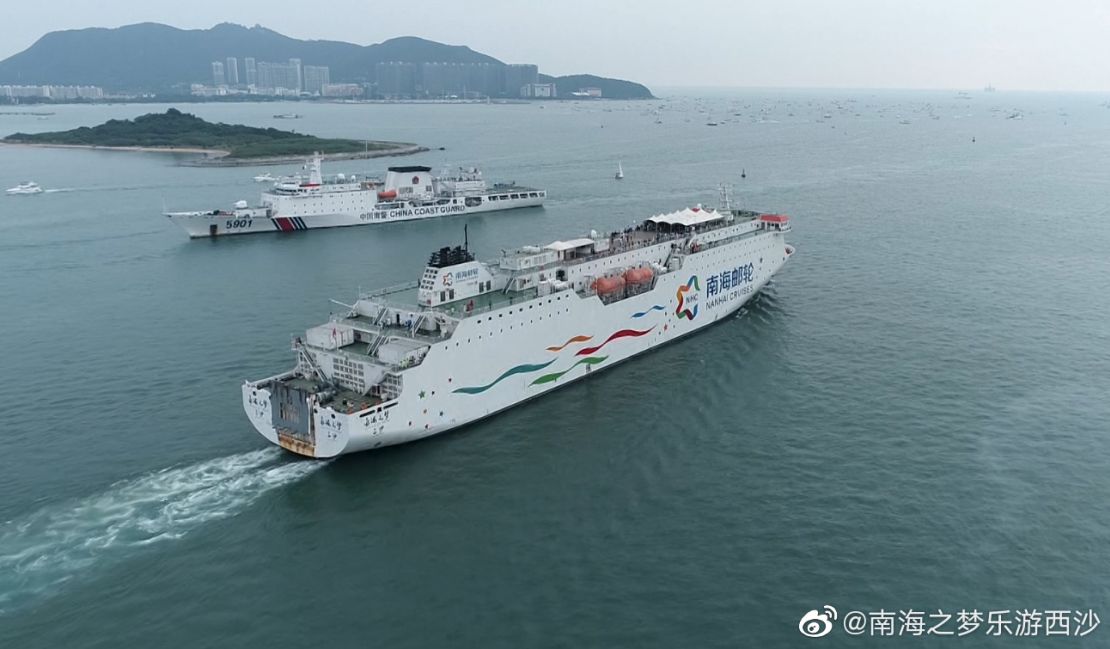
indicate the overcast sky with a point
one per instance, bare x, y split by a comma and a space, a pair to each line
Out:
1014, 44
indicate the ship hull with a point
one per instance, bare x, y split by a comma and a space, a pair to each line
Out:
526, 350
254, 221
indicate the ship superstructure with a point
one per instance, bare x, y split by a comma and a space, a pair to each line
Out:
317, 201
472, 338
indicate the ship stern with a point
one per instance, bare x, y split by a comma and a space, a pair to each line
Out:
298, 424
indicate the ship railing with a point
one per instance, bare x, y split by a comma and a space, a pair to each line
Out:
389, 290
305, 363
482, 303
559, 263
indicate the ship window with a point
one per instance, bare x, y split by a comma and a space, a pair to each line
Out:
442, 296
493, 198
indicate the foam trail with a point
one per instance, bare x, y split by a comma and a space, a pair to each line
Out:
46, 548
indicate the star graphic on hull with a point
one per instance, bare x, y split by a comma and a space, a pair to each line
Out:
421, 394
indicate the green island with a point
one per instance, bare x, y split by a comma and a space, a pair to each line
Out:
224, 143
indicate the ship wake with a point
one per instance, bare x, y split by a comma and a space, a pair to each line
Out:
41, 551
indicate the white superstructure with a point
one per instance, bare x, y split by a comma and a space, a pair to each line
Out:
472, 338
316, 201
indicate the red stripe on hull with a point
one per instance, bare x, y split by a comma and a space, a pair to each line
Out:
623, 333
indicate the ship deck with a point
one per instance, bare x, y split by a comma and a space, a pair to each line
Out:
485, 303
344, 400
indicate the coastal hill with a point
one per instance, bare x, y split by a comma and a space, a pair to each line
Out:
613, 88
151, 57
174, 130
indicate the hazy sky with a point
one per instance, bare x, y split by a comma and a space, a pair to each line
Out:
1014, 44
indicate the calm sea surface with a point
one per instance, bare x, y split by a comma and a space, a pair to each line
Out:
913, 416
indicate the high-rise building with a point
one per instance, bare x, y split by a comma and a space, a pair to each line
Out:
231, 71
315, 78
517, 76
251, 71
218, 78
538, 91
279, 77
396, 78
483, 79
296, 63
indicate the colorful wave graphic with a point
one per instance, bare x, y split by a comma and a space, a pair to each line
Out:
687, 313
519, 369
576, 339
623, 333
657, 307
555, 376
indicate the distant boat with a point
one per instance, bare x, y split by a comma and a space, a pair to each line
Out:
264, 178
989, 88
25, 188
287, 116
620, 171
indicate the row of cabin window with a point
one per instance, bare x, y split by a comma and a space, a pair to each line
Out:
505, 197
501, 315
510, 326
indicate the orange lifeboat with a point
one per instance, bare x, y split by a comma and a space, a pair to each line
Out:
609, 285
638, 276
387, 195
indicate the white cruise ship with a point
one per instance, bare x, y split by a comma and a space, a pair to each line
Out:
472, 338
316, 201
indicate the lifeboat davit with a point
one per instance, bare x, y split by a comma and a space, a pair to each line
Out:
638, 276
609, 285
387, 195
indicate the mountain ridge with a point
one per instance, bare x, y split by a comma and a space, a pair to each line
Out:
154, 57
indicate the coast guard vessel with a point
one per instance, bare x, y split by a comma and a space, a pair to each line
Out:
472, 338
316, 201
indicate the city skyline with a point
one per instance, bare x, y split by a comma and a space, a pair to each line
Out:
795, 43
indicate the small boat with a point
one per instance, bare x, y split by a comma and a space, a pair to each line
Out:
264, 178
25, 188
287, 116
620, 171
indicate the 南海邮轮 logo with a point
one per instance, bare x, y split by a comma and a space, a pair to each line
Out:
688, 299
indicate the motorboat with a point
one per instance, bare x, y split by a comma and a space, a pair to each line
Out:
25, 188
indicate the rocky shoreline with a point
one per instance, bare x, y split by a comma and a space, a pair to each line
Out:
219, 158
225, 161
